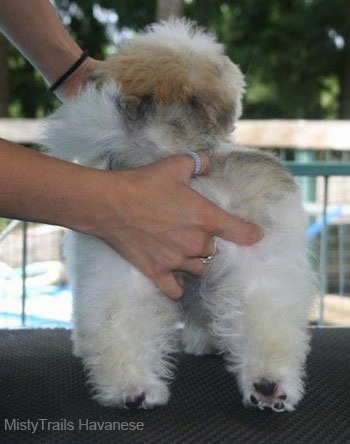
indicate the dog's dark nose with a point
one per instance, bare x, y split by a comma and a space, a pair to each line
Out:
265, 387
135, 403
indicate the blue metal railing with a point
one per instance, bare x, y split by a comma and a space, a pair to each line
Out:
326, 170
321, 229
313, 169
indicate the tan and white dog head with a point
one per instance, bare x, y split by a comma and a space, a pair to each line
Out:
176, 62
169, 88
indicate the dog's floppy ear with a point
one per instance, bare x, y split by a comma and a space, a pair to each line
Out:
217, 92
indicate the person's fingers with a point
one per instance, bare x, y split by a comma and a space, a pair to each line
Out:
238, 230
183, 166
205, 166
195, 245
171, 284
217, 222
179, 277
194, 266
211, 218
210, 249
195, 242
169, 279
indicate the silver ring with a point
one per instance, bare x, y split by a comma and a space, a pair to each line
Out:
207, 259
197, 161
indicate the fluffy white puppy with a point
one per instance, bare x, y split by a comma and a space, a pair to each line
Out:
168, 89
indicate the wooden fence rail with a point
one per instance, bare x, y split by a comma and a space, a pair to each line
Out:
296, 134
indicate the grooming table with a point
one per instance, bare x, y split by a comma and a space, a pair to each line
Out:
42, 383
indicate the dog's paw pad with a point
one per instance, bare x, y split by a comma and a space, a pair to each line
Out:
144, 396
265, 387
269, 395
134, 402
278, 407
140, 400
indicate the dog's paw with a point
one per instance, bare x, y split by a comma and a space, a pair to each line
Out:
140, 397
269, 395
145, 397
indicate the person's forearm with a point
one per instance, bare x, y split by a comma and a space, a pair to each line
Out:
39, 188
37, 31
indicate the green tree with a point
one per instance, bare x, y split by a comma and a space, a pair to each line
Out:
295, 53
82, 21
4, 77
169, 8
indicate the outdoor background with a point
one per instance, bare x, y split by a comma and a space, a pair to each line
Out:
295, 55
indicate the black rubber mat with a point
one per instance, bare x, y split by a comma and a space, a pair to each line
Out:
42, 385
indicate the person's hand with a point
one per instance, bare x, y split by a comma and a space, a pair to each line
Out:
161, 225
149, 215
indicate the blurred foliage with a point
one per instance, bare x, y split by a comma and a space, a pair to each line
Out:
294, 53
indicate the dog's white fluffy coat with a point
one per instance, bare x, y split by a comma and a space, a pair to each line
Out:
252, 305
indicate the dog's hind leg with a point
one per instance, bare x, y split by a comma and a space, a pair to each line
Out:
260, 313
133, 363
259, 296
126, 330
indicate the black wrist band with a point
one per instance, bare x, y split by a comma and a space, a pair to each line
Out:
70, 71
